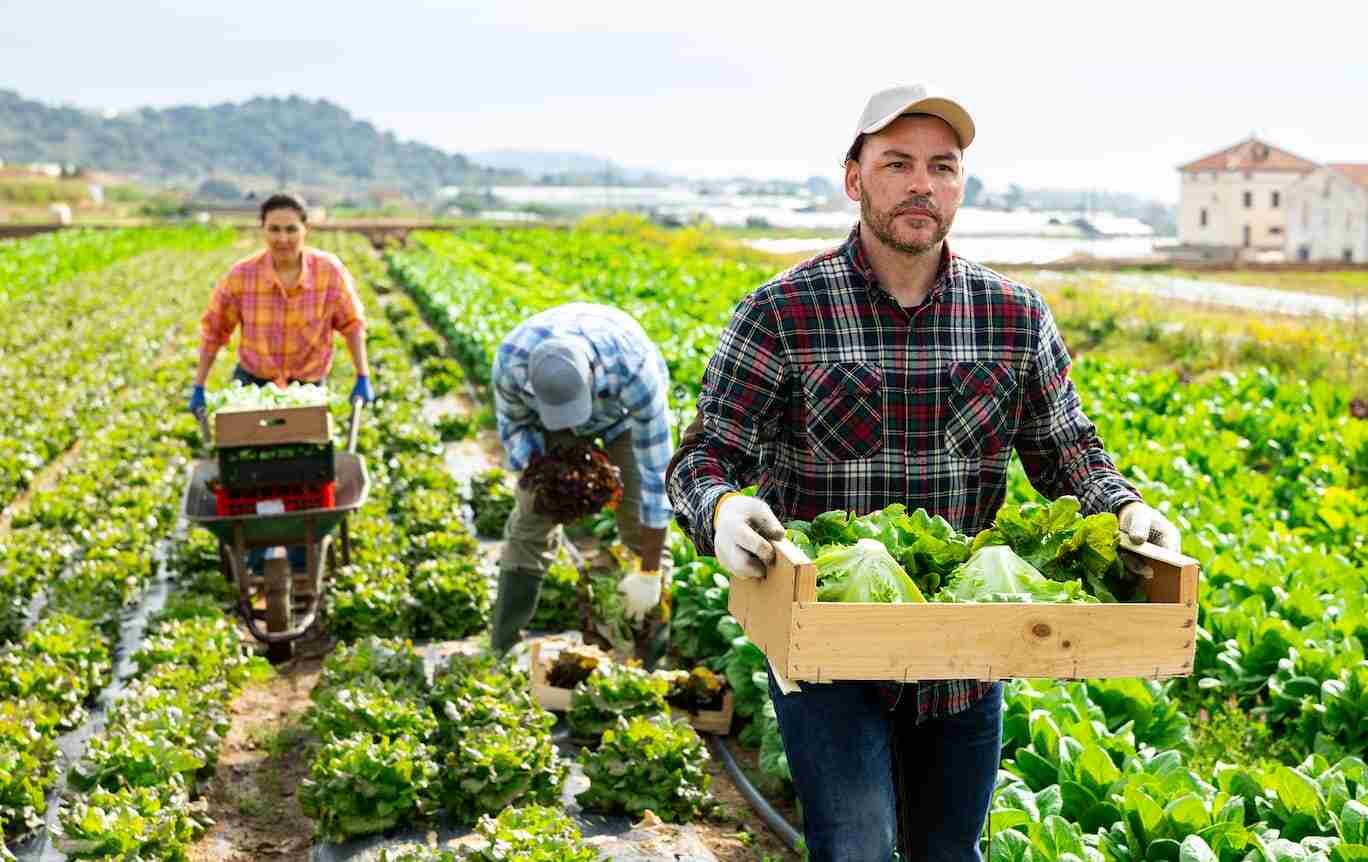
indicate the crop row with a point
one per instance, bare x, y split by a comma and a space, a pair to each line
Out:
42, 262
86, 550
71, 347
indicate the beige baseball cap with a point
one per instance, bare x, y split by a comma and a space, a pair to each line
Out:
920, 97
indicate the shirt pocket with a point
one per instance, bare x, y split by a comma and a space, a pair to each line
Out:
983, 412
844, 406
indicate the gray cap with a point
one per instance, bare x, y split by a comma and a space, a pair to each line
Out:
562, 382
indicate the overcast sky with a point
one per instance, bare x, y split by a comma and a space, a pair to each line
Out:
1076, 95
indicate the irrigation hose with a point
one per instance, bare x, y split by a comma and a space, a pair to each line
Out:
773, 819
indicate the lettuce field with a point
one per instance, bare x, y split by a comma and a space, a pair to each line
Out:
123, 666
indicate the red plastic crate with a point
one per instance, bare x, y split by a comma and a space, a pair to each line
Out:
293, 497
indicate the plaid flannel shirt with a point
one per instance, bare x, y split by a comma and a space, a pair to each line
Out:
829, 395
631, 387
286, 335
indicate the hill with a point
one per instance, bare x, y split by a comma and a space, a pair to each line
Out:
296, 141
553, 167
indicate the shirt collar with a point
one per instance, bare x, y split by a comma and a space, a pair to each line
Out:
859, 261
306, 268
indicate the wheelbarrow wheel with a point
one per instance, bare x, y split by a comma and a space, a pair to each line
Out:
279, 585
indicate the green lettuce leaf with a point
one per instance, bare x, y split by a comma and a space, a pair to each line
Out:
996, 574
863, 572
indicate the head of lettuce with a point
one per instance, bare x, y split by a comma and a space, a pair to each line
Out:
996, 574
863, 572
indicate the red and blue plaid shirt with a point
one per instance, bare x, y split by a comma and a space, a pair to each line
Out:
828, 394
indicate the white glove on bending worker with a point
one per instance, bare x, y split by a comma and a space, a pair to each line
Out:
640, 594
743, 529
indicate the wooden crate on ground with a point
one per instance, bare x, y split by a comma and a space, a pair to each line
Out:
541, 653
264, 427
824, 641
715, 721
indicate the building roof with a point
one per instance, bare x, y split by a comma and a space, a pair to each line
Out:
1251, 155
1356, 171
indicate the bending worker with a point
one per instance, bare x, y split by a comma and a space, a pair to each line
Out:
575, 373
890, 370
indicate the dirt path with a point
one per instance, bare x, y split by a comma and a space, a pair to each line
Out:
252, 797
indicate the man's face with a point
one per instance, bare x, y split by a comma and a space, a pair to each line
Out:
284, 231
909, 181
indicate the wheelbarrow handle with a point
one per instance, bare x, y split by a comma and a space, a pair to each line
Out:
357, 403
202, 416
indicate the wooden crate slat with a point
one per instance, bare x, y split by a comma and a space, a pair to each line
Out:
764, 607
989, 641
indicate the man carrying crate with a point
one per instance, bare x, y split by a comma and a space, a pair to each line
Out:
890, 370
582, 371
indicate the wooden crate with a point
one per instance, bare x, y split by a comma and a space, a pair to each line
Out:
549, 696
264, 427
716, 721
823, 641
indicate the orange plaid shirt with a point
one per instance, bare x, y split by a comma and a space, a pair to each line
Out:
286, 335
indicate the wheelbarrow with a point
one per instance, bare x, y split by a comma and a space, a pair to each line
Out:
291, 600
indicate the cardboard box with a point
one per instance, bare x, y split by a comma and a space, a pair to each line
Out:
824, 641
265, 427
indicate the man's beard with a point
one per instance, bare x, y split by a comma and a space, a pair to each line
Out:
881, 223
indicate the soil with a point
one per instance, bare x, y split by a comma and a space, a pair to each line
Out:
252, 795
736, 833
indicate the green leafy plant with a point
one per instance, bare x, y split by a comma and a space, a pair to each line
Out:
362, 784
531, 833
609, 613
699, 594
369, 600
995, 574
648, 763
1063, 545
387, 659
863, 572
375, 707
28, 767
452, 597
558, 603
131, 823
613, 692
925, 546
492, 502
495, 766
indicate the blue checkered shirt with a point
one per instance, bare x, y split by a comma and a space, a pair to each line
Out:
631, 385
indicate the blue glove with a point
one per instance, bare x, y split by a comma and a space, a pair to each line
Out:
197, 400
362, 390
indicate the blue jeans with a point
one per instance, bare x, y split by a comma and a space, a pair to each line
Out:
839, 741
256, 557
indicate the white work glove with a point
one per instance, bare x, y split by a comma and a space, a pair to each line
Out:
640, 594
1141, 523
745, 528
